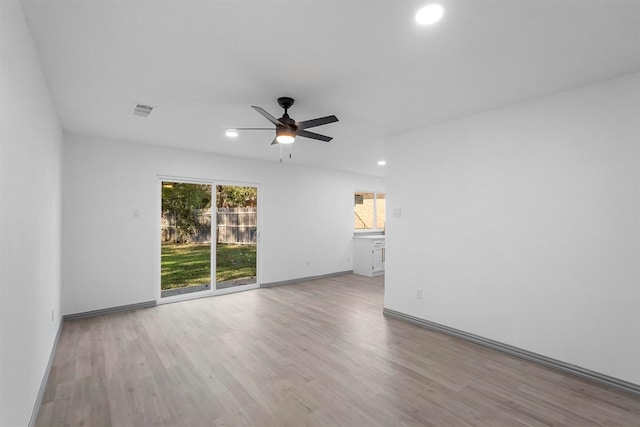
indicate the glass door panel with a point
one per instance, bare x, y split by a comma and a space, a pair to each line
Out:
236, 235
185, 236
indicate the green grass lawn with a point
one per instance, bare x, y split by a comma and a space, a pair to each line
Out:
190, 264
235, 262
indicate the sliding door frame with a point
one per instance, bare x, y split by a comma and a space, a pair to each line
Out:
212, 291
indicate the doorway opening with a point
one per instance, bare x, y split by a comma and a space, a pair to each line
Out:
208, 239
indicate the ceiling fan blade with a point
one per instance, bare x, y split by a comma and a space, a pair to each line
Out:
274, 142
316, 122
313, 135
267, 115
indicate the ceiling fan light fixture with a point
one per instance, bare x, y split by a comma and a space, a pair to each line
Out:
285, 135
285, 139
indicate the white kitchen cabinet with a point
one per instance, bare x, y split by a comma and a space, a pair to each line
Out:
368, 255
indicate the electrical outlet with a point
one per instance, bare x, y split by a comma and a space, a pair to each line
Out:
307, 263
419, 293
348, 259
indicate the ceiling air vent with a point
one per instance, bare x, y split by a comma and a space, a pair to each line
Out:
142, 110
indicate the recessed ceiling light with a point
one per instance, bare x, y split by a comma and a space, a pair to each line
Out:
231, 133
429, 14
382, 163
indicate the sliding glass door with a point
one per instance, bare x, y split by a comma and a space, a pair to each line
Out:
208, 238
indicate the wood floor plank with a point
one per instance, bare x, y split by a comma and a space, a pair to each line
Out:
316, 353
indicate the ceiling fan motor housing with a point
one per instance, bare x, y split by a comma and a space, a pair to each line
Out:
286, 130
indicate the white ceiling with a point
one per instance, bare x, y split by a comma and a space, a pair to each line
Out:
204, 63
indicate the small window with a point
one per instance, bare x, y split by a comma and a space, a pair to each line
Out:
369, 212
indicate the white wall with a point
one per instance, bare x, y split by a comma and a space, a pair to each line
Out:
110, 258
522, 225
30, 215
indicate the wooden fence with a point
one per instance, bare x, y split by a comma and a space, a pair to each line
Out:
234, 226
237, 225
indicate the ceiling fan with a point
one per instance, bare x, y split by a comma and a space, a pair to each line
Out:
288, 129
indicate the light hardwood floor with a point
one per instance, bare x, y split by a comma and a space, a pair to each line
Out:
318, 353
